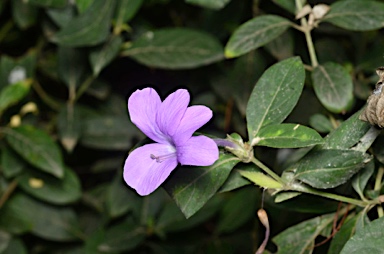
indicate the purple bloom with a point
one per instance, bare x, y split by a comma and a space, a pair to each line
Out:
171, 124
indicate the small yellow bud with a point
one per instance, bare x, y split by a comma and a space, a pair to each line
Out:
15, 121
36, 183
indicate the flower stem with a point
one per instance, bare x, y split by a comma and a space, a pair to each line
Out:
308, 37
267, 170
11, 187
379, 178
45, 97
83, 87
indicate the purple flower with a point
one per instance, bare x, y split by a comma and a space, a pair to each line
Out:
171, 124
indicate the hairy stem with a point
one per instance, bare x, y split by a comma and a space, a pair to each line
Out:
267, 170
308, 37
379, 178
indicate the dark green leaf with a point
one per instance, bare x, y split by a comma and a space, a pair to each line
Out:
11, 163
69, 126
5, 238
83, 5
239, 209
175, 48
24, 14
329, 168
255, 33
343, 235
51, 189
275, 95
15, 246
300, 238
347, 134
22, 213
49, 3
360, 180
122, 238
333, 86
211, 4
120, 198
125, 11
71, 66
36, 147
89, 28
108, 132
283, 46
367, 240
12, 94
287, 136
320, 123
287, 4
283, 196
356, 15
192, 187
104, 54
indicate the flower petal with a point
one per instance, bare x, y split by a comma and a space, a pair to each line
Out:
194, 118
171, 111
198, 151
143, 106
145, 174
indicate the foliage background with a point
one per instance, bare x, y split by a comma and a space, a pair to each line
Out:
68, 67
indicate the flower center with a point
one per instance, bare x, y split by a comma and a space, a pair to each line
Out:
161, 158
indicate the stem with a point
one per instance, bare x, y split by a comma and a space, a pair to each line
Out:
45, 97
300, 188
11, 187
5, 29
267, 170
379, 178
308, 37
83, 87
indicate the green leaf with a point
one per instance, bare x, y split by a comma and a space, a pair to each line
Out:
83, 5
101, 56
24, 14
5, 238
329, 168
275, 95
239, 209
211, 4
175, 48
367, 240
120, 199
50, 189
356, 15
11, 163
37, 148
283, 46
15, 246
108, 132
21, 214
261, 179
320, 123
125, 11
192, 187
89, 28
61, 16
287, 136
300, 238
360, 180
69, 126
346, 231
12, 94
49, 3
284, 196
235, 179
333, 86
122, 238
347, 134
287, 5
71, 66
255, 33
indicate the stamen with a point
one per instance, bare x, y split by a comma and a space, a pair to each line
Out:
161, 158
